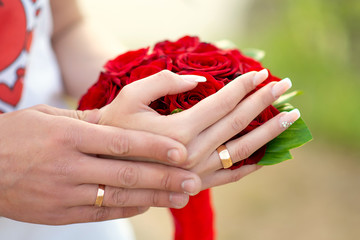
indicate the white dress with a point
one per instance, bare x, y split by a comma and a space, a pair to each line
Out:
23, 85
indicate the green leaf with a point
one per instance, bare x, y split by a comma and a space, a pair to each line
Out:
176, 111
278, 150
286, 98
272, 158
256, 54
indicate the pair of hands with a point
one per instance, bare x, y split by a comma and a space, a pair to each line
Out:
52, 160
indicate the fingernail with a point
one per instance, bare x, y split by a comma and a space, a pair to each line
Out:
142, 209
289, 118
179, 200
193, 78
281, 87
173, 156
260, 76
189, 187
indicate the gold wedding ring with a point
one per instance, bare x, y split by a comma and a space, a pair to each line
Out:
100, 195
224, 156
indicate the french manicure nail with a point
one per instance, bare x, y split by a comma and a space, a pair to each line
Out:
289, 118
189, 187
193, 78
260, 76
178, 200
281, 87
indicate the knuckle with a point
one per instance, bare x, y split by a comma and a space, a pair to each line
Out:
228, 103
249, 84
238, 123
128, 176
41, 107
126, 90
119, 144
120, 197
155, 199
166, 181
68, 136
165, 74
64, 168
243, 151
79, 114
267, 99
101, 214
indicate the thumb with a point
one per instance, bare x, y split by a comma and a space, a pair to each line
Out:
161, 84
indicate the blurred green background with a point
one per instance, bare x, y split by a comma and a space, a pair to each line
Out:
316, 43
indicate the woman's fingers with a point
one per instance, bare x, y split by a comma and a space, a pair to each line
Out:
241, 148
140, 175
246, 145
130, 108
160, 84
241, 116
225, 176
221, 103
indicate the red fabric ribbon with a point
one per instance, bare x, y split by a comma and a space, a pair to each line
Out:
196, 220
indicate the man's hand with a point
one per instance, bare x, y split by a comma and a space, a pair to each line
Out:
50, 169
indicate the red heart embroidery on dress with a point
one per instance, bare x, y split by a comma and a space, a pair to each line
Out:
11, 95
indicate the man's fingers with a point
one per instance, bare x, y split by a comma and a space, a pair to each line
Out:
127, 174
117, 142
126, 197
97, 214
111, 141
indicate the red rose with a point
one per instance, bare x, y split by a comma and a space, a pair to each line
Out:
220, 64
122, 64
173, 49
247, 64
206, 47
100, 94
151, 66
185, 56
161, 106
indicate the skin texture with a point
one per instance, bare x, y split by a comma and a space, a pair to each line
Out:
227, 113
49, 158
52, 160
50, 170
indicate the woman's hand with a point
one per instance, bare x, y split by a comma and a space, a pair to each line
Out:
208, 124
50, 172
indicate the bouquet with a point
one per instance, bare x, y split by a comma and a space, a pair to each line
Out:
188, 55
